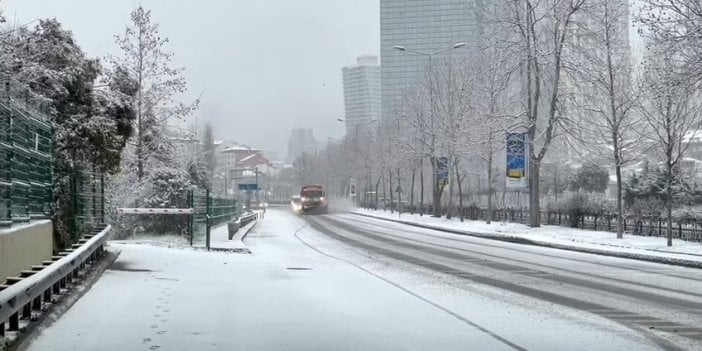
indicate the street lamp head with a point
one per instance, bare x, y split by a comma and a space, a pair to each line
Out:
399, 47
459, 45
340, 119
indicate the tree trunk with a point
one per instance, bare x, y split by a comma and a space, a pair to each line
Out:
620, 212
669, 204
421, 187
392, 202
490, 186
460, 193
555, 184
436, 189
140, 157
385, 194
414, 171
534, 200
449, 205
377, 188
399, 193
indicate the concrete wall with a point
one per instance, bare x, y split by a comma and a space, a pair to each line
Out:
23, 246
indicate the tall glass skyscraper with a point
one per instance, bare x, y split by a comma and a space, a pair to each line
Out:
362, 93
426, 26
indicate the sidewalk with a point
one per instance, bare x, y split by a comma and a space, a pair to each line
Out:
219, 239
652, 249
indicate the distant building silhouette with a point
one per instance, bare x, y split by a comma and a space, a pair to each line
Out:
362, 93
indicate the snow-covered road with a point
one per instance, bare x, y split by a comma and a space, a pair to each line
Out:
343, 282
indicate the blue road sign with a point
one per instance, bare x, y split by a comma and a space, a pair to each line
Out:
249, 187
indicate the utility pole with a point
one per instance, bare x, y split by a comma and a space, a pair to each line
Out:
256, 172
226, 182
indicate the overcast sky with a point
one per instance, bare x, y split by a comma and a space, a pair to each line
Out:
263, 66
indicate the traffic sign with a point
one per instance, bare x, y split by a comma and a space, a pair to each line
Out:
249, 187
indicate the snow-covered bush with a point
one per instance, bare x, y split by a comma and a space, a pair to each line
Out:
688, 213
591, 177
575, 206
579, 205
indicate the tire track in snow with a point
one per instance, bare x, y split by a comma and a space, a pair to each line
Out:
631, 320
425, 300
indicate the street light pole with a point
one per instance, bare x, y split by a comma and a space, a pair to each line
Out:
432, 110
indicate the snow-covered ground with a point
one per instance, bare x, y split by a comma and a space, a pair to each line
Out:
220, 238
301, 290
650, 247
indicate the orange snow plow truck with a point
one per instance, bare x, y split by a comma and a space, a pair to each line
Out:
312, 199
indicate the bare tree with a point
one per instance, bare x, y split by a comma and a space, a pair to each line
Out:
674, 74
675, 26
145, 60
493, 112
605, 90
540, 32
672, 107
419, 135
453, 94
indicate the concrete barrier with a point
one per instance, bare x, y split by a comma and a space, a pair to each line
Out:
23, 246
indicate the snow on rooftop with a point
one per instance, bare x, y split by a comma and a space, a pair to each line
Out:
239, 148
248, 157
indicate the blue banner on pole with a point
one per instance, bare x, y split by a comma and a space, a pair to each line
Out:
517, 160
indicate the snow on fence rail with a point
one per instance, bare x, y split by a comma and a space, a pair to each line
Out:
26, 293
685, 229
138, 210
247, 218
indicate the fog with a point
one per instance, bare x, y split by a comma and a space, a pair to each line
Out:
260, 67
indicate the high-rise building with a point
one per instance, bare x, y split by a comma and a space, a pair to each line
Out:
301, 140
362, 93
426, 26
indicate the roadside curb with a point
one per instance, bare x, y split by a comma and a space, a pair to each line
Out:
239, 235
246, 232
65, 303
525, 241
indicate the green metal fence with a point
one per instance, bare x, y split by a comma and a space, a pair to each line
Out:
198, 200
88, 192
209, 211
25, 163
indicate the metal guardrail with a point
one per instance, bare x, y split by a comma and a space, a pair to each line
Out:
27, 293
247, 218
239, 223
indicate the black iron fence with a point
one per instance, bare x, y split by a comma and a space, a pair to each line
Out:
688, 229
